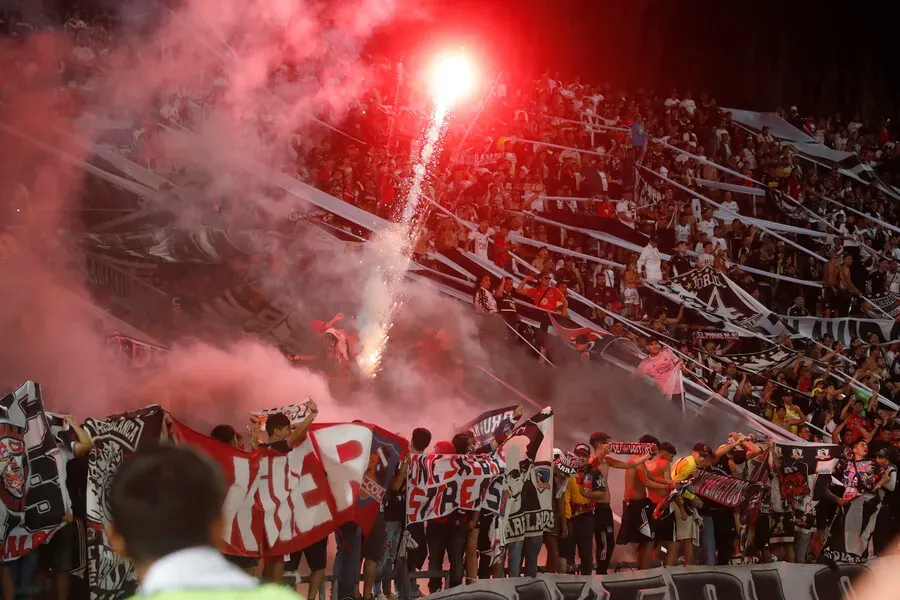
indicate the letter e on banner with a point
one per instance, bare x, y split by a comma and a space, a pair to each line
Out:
344, 450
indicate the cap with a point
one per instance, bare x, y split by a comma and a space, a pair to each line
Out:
583, 449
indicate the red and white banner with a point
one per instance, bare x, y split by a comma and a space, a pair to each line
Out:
279, 503
439, 484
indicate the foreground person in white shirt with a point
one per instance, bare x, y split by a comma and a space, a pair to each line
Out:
166, 509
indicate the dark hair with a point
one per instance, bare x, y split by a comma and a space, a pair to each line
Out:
165, 499
667, 447
421, 438
223, 433
460, 442
276, 421
648, 439
599, 437
702, 448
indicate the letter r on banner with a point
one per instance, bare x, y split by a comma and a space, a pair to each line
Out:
344, 450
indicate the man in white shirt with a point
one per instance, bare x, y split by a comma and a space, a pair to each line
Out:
688, 103
718, 239
706, 258
480, 238
728, 203
708, 224
649, 262
625, 212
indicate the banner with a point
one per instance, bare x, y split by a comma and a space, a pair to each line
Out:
529, 455
34, 495
439, 484
775, 581
491, 426
888, 303
844, 330
294, 412
699, 337
384, 457
803, 476
478, 160
111, 577
632, 448
718, 299
649, 195
776, 357
135, 353
727, 491
280, 503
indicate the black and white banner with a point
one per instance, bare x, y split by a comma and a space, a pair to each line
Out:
648, 195
775, 581
32, 465
889, 303
799, 482
491, 425
720, 300
111, 577
776, 357
529, 458
844, 330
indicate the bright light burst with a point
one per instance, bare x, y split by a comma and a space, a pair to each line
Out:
452, 77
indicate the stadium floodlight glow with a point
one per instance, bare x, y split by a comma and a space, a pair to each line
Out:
452, 78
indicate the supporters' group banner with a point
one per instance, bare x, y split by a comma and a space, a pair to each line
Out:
844, 330
294, 412
491, 425
35, 499
280, 503
711, 293
438, 484
135, 353
728, 491
888, 303
385, 454
632, 448
775, 581
478, 160
529, 454
776, 357
700, 337
649, 195
111, 577
803, 475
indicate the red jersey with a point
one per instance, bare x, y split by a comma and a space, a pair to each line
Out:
548, 299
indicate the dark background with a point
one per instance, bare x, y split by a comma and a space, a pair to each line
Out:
822, 56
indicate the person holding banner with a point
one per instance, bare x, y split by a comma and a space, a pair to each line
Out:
665, 369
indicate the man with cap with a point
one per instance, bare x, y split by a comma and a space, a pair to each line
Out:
682, 470
650, 264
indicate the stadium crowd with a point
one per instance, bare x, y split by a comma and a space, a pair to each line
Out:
541, 158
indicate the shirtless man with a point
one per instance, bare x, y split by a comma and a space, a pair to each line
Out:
655, 476
847, 289
830, 285
637, 509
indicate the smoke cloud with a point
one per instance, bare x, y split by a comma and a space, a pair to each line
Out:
54, 334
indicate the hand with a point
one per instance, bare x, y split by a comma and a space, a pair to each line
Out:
313, 408
254, 419
338, 317
518, 412
564, 529
70, 420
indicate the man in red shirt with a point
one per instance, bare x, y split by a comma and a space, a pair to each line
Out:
546, 297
